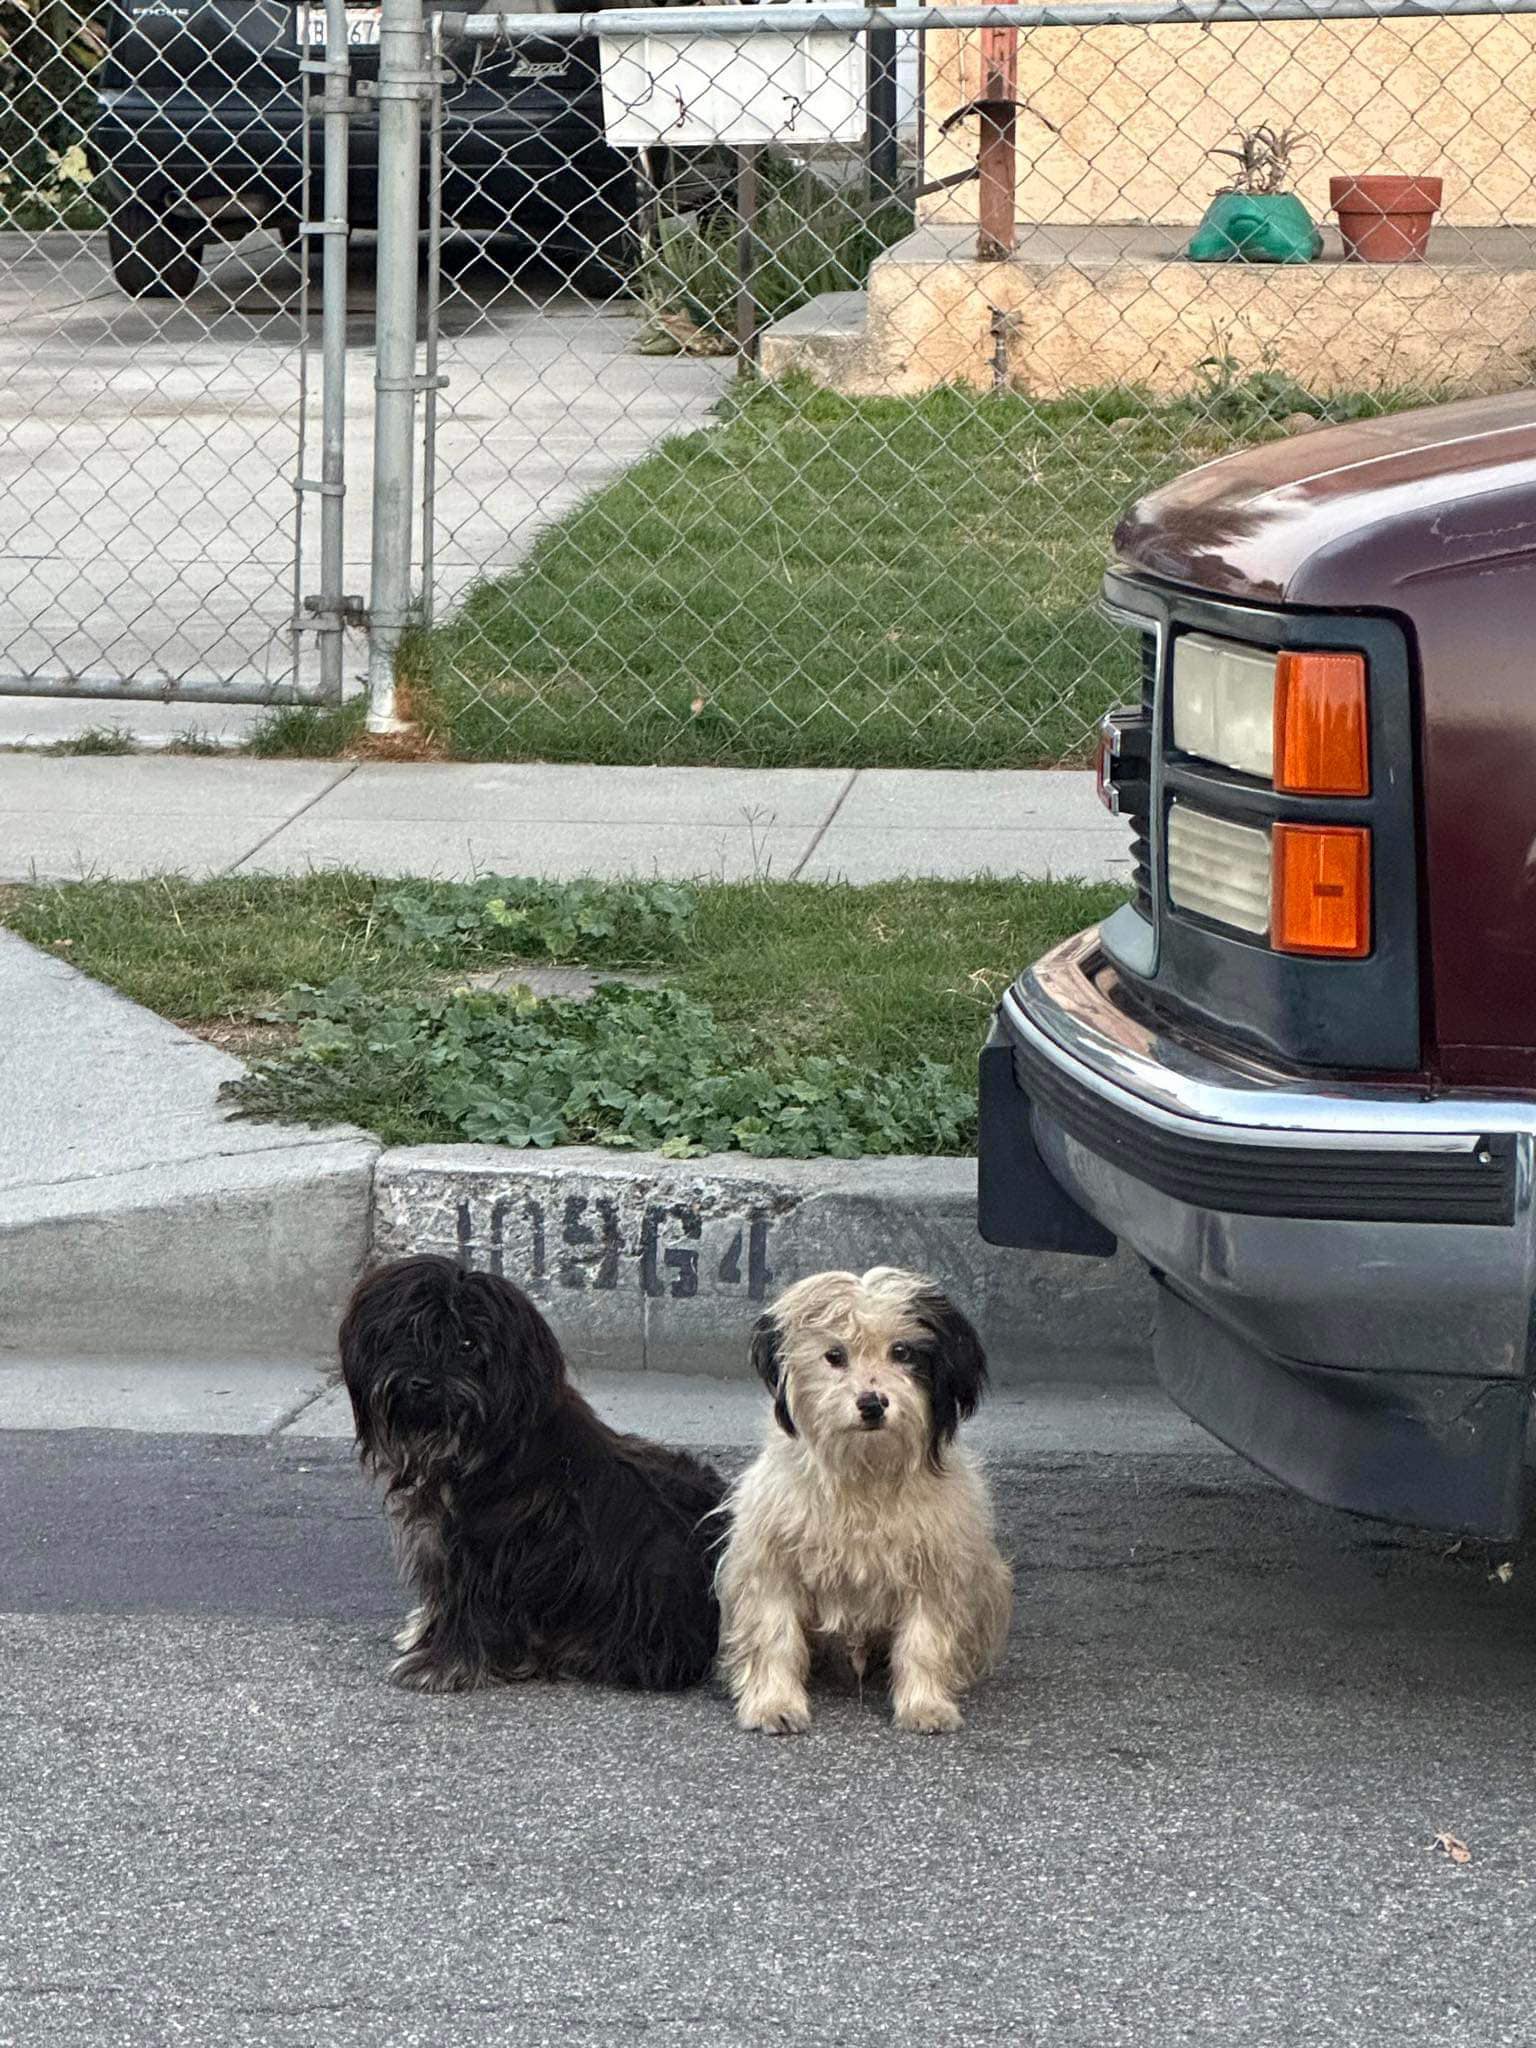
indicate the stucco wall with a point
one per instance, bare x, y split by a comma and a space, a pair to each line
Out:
1139, 109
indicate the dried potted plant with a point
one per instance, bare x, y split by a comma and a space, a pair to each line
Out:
1257, 218
1385, 218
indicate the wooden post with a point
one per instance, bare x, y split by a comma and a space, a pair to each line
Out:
746, 257
996, 108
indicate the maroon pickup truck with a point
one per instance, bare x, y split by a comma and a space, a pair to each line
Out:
1297, 1074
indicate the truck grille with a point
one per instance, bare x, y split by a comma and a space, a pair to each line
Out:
1139, 821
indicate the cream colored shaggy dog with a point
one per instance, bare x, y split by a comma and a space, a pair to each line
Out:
862, 1528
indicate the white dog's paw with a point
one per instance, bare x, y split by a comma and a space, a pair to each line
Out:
775, 1715
934, 1715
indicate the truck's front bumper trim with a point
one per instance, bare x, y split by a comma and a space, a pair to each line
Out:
1346, 1277
1387, 1177
1059, 1006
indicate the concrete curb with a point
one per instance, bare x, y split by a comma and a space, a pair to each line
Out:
241, 1256
660, 1265
137, 1220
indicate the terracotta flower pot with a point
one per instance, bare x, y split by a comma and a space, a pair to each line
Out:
1384, 219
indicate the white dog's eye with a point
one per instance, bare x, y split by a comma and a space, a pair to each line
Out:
902, 1354
837, 1355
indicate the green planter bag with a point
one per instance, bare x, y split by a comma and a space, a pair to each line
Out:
1253, 227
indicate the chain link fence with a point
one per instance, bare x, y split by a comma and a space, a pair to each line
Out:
154, 396
756, 385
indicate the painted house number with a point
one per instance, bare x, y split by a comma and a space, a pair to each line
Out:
580, 1241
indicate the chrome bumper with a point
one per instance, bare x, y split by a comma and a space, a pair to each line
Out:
1320, 1248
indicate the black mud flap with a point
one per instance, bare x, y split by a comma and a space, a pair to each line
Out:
1018, 1203
1437, 1451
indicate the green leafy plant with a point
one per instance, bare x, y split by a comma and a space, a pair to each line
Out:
645, 1068
1247, 402
48, 51
601, 924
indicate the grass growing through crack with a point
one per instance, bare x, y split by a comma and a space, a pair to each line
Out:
344, 986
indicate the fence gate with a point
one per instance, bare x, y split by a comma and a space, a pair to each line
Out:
160, 400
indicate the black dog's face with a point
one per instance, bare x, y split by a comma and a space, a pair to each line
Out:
443, 1365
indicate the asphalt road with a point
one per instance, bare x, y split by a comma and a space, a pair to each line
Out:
1198, 1804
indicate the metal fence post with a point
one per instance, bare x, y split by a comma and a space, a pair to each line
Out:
333, 352
329, 610
881, 151
403, 77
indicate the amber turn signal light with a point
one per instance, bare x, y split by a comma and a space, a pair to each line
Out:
1322, 744
1320, 895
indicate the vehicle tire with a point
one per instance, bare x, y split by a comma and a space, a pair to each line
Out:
154, 255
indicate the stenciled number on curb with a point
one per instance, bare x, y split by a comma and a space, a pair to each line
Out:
591, 1248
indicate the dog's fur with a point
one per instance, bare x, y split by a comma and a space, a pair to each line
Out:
537, 1542
862, 1526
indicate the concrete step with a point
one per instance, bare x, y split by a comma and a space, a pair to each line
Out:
823, 338
137, 1220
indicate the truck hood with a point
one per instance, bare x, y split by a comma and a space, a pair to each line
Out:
1348, 515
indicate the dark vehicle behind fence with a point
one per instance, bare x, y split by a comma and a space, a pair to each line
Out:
1297, 1074
199, 135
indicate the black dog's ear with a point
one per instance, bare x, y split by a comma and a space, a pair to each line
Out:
502, 1338
957, 1367
767, 1359
767, 1350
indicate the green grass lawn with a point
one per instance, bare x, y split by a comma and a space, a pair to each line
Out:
763, 980
858, 582
817, 579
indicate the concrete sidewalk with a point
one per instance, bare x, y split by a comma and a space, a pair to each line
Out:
64, 817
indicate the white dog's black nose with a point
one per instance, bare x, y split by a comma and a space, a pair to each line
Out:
872, 1407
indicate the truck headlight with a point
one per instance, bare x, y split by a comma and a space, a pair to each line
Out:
1224, 703
1219, 869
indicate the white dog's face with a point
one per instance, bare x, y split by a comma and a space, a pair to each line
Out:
879, 1368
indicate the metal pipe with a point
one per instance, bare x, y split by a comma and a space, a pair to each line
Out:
301, 480
794, 19
880, 143
996, 235
432, 382
333, 349
155, 690
402, 79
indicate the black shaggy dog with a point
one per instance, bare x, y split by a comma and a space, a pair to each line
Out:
538, 1542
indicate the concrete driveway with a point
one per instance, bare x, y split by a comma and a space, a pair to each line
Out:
148, 449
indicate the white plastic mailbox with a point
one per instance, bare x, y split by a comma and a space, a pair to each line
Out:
737, 89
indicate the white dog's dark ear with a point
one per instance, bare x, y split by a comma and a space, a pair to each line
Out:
767, 1359
956, 1366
